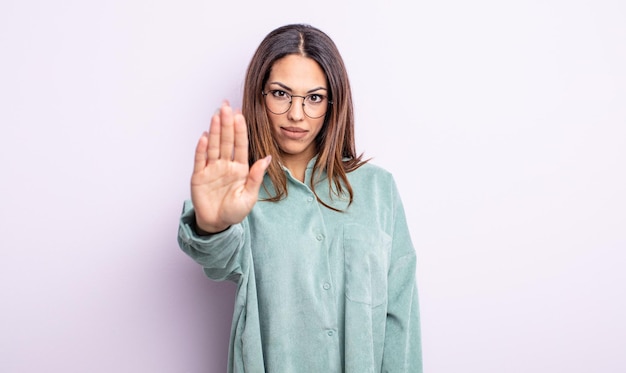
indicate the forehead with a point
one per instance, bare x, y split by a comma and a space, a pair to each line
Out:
298, 73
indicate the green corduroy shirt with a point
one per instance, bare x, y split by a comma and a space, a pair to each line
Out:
318, 290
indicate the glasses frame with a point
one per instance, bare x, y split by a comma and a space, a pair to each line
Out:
330, 102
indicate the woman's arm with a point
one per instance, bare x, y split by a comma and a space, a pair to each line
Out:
403, 348
217, 253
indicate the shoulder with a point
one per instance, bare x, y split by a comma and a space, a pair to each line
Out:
371, 181
375, 192
371, 173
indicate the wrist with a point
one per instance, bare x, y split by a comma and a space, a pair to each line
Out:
207, 231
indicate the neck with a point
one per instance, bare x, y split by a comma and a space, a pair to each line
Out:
297, 164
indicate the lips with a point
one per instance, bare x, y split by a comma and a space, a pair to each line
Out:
294, 133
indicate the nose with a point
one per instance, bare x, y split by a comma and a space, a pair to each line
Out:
296, 111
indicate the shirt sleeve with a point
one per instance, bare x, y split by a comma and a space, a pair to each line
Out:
219, 254
402, 348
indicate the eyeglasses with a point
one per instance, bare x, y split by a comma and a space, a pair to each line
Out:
314, 105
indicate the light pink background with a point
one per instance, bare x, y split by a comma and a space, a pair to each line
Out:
504, 123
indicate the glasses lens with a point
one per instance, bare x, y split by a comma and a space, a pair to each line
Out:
278, 102
315, 105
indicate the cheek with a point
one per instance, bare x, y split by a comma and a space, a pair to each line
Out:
274, 119
272, 122
320, 128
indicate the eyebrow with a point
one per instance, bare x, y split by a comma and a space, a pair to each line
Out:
291, 90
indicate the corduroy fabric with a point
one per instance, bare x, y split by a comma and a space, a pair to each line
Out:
318, 291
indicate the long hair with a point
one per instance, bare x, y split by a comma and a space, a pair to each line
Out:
336, 152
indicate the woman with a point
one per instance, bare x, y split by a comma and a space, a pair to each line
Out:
314, 236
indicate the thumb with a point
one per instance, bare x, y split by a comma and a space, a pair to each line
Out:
255, 176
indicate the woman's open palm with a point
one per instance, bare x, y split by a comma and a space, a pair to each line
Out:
223, 187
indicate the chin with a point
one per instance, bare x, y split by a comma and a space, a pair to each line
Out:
293, 151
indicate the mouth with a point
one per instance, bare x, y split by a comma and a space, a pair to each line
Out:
294, 133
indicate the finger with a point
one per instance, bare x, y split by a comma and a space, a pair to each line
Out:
213, 152
241, 139
200, 158
227, 135
255, 176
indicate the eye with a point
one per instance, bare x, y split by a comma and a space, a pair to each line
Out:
279, 94
315, 98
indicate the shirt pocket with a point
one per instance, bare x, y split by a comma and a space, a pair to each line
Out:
366, 258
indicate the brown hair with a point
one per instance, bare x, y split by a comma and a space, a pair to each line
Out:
336, 152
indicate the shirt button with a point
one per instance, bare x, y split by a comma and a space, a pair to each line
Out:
330, 333
310, 199
320, 237
326, 286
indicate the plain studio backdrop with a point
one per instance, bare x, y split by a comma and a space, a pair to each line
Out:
504, 123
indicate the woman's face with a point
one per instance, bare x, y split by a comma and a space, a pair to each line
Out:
296, 129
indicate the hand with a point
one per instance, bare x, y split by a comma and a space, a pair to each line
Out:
223, 187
